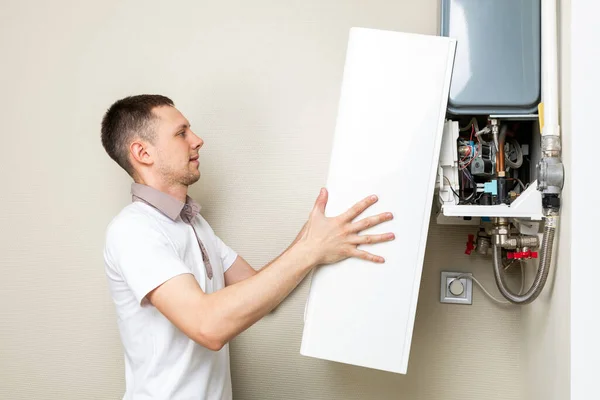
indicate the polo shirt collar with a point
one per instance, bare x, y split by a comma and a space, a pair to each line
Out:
164, 202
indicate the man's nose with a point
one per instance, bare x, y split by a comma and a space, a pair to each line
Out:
198, 142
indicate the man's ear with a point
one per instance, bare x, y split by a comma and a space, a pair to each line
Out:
140, 153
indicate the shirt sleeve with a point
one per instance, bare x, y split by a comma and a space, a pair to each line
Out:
227, 255
143, 255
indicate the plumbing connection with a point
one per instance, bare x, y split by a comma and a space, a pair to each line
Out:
550, 176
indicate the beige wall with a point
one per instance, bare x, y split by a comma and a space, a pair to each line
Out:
260, 82
546, 322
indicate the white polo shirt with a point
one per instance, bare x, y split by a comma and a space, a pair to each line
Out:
148, 243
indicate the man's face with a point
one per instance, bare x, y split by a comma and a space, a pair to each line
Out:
175, 147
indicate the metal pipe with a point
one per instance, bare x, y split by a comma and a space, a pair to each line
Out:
549, 59
500, 169
550, 168
543, 270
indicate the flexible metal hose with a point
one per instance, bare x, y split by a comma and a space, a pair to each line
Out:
541, 276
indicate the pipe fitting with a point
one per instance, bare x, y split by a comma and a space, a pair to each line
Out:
500, 232
495, 130
541, 274
551, 146
551, 175
495, 127
521, 242
483, 245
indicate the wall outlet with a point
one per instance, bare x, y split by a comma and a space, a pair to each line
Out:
456, 291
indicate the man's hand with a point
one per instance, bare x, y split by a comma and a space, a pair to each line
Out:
334, 239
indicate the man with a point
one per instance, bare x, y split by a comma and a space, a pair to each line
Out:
181, 294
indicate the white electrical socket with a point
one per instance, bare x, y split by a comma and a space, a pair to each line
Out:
456, 291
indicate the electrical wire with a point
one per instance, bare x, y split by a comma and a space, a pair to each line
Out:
471, 123
484, 131
519, 182
522, 269
485, 291
463, 166
488, 294
469, 176
462, 198
480, 196
475, 131
451, 188
519, 153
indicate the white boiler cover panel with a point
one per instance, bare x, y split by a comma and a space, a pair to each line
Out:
387, 142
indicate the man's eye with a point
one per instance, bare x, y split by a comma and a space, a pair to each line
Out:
182, 133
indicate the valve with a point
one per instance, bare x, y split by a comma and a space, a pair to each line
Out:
470, 245
519, 255
483, 245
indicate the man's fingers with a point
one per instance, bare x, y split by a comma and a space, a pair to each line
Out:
367, 256
358, 208
372, 239
370, 221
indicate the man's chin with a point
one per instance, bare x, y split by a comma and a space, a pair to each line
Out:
192, 178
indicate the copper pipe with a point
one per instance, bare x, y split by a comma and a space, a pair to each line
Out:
500, 156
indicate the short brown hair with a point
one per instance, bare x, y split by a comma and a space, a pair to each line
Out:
127, 119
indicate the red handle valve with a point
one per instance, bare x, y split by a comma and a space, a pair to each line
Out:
519, 255
470, 245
